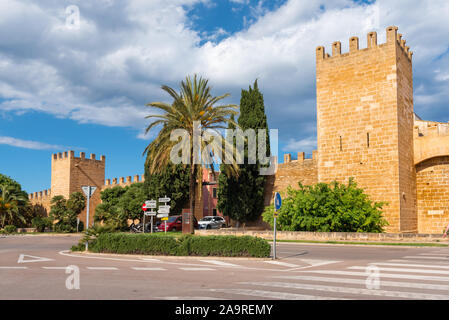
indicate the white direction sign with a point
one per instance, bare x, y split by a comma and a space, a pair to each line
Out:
150, 214
162, 215
166, 199
151, 204
163, 210
86, 190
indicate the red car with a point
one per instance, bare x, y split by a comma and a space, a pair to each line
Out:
174, 223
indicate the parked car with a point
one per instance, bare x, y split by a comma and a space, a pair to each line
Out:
174, 223
212, 222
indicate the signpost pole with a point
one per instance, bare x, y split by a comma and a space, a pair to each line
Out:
144, 222
277, 206
274, 241
87, 215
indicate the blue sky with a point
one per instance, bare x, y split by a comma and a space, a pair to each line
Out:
86, 89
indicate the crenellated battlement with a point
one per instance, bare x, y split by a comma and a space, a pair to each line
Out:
423, 129
40, 196
392, 36
122, 181
71, 155
301, 157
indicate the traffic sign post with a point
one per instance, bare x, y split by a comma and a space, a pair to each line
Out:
164, 210
144, 208
277, 206
88, 191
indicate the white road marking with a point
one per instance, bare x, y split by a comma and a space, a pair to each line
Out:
382, 275
102, 268
435, 254
422, 257
410, 265
197, 269
407, 270
148, 269
22, 259
274, 294
285, 264
221, 263
13, 267
355, 291
187, 298
150, 260
383, 283
316, 263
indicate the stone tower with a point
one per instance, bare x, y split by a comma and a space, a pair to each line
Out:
69, 174
365, 123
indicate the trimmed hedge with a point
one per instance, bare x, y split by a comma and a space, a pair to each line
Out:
186, 245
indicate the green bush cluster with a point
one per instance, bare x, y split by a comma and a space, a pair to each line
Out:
186, 245
40, 223
9, 229
333, 207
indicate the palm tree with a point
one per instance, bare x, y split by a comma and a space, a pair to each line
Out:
10, 205
192, 109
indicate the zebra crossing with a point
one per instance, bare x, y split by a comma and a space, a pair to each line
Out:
423, 276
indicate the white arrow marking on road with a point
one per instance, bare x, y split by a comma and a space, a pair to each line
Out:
34, 259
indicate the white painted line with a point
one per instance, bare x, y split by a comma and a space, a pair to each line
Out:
13, 267
273, 294
382, 275
285, 264
422, 257
102, 268
148, 269
383, 283
150, 260
316, 263
54, 268
197, 269
407, 270
187, 298
22, 259
355, 291
435, 254
220, 263
410, 265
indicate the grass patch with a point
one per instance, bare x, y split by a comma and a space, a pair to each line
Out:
177, 244
412, 244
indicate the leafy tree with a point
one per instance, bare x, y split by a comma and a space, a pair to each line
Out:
120, 204
173, 181
65, 211
12, 202
192, 109
241, 198
330, 207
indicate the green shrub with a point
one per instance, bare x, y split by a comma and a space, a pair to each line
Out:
40, 223
10, 229
330, 207
229, 246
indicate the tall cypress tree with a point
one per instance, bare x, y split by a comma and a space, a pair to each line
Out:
242, 198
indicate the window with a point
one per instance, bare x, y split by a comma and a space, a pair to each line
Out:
214, 212
214, 192
367, 139
341, 144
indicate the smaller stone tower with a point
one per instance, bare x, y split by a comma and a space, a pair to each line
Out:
69, 174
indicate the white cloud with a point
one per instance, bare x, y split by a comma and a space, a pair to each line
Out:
107, 71
302, 145
27, 144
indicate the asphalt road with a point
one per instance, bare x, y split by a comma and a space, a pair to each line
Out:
42, 267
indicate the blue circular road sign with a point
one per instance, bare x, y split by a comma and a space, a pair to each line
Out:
277, 201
